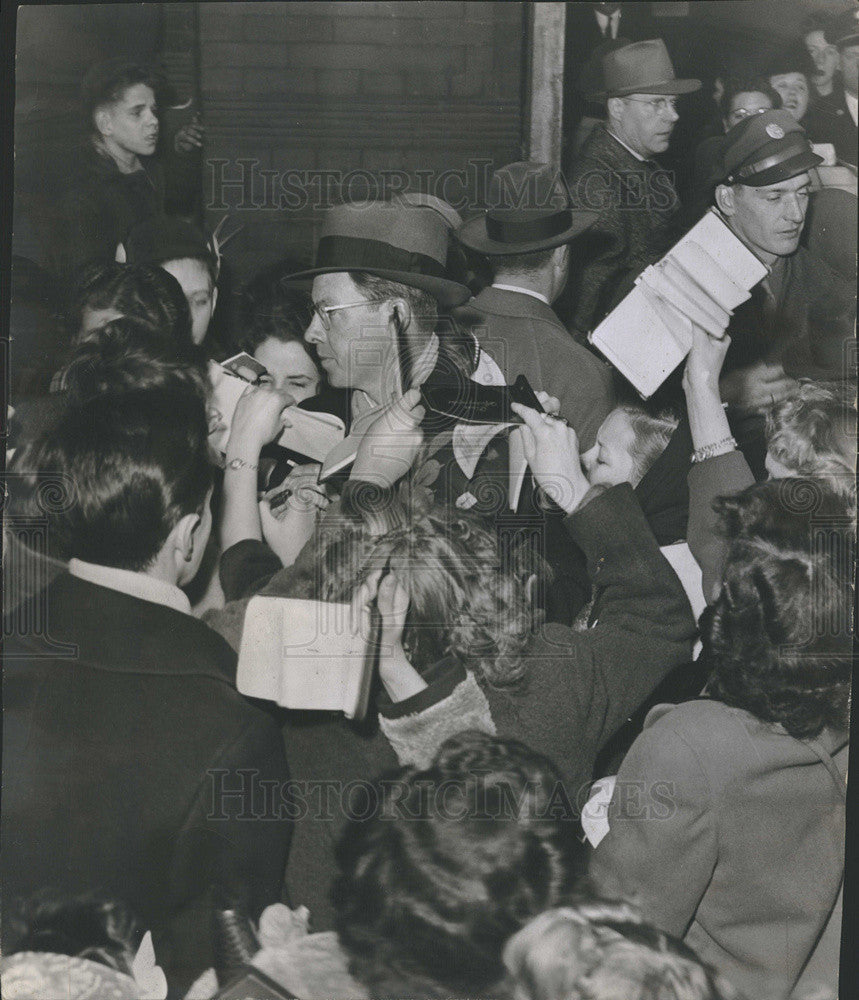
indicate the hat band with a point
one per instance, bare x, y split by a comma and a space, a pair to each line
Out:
771, 161
352, 253
530, 231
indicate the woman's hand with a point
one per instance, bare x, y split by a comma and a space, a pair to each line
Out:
757, 387
552, 451
705, 360
391, 443
399, 677
258, 419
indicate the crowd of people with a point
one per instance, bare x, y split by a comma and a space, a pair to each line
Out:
605, 754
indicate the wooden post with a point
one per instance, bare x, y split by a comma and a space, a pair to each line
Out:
546, 85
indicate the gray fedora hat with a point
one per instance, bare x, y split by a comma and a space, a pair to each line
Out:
396, 241
530, 211
640, 68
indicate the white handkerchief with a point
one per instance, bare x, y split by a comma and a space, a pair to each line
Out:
595, 812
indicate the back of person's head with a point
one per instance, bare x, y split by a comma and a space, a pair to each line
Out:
136, 463
143, 292
813, 434
106, 82
90, 926
126, 355
778, 639
468, 597
455, 859
601, 950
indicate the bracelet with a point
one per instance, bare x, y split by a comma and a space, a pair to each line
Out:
712, 450
237, 463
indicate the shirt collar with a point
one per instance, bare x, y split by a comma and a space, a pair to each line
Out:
524, 291
126, 581
852, 105
638, 156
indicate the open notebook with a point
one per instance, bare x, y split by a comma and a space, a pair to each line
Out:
312, 433
303, 654
701, 280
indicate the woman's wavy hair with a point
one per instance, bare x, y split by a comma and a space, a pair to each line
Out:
468, 595
779, 638
270, 307
601, 950
128, 354
144, 292
746, 84
814, 435
652, 432
456, 858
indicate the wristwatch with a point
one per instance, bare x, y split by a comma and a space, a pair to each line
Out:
238, 463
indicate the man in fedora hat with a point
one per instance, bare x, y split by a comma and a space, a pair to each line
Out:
796, 322
526, 234
616, 176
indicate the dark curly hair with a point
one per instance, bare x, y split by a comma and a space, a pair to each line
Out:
779, 637
128, 354
144, 292
457, 858
91, 926
270, 307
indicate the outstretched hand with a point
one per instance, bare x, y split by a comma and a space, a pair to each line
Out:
189, 137
552, 451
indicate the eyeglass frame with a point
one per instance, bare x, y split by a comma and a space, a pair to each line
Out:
324, 312
658, 104
747, 113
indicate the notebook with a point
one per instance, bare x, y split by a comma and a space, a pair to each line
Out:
303, 654
701, 280
312, 433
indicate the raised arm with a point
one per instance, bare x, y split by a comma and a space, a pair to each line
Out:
718, 468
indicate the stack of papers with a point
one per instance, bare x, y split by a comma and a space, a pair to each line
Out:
700, 281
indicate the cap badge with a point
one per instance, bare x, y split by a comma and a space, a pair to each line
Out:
774, 131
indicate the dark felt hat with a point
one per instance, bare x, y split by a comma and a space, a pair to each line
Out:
765, 149
640, 68
164, 237
844, 28
395, 241
530, 211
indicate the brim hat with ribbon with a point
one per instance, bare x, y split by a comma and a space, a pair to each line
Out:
162, 238
843, 29
395, 241
530, 210
766, 149
640, 68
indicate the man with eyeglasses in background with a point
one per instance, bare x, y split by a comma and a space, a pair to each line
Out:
617, 176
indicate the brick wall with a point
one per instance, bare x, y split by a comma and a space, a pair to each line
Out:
372, 92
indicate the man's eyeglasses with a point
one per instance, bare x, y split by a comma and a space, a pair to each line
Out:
324, 312
658, 105
740, 113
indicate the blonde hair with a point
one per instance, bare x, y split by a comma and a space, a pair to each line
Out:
602, 950
814, 435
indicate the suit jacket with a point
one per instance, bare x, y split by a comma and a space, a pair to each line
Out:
637, 205
829, 120
734, 842
115, 760
525, 337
